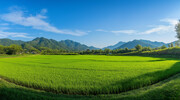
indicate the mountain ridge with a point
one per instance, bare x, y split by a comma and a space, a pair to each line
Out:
144, 43
49, 43
76, 46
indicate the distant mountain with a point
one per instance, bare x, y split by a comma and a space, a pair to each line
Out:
115, 46
155, 43
43, 42
144, 43
75, 46
8, 42
53, 44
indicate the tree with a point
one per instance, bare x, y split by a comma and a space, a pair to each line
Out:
163, 47
88, 51
126, 49
177, 28
146, 49
14, 49
172, 45
107, 51
177, 44
2, 49
138, 47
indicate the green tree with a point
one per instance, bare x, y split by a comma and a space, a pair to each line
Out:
88, 51
146, 49
14, 49
172, 45
126, 49
177, 28
177, 44
2, 49
138, 47
107, 51
163, 47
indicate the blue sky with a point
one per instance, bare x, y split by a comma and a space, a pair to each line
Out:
96, 23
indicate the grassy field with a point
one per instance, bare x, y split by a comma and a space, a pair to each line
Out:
168, 89
86, 74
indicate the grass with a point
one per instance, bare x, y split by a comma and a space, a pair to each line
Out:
87, 74
168, 89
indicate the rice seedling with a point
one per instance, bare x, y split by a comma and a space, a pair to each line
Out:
86, 74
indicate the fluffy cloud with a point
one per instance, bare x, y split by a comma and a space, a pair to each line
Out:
160, 29
36, 22
170, 21
5, 34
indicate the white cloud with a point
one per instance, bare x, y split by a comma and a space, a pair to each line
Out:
170, 27
170, 21
101, 30
124, 31
118, 31
5, 34
36, 22
160, 29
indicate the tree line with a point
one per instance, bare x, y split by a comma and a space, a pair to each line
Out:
17, 50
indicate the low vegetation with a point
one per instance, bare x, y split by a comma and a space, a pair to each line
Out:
87, 74
168, 89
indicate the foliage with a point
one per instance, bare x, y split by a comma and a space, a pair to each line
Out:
8, 42
11, 50
164, 47
138, 47
178, 30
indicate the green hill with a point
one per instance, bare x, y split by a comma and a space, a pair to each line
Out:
144, 43
53, 44
8, 42
49, 43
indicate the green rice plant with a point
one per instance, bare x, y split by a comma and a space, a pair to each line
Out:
86, 74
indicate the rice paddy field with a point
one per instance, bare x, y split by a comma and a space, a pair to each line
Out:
86, 74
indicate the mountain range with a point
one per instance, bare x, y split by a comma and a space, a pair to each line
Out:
132, 44
49, 43
76, 46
